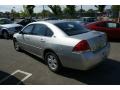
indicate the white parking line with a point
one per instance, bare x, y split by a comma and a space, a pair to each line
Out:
18, 71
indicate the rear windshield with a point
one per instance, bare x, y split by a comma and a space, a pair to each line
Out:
72, 28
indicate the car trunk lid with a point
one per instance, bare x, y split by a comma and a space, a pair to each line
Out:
95, 39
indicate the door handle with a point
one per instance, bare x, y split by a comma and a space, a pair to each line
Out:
42, 40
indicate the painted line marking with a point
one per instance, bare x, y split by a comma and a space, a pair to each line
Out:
18, 71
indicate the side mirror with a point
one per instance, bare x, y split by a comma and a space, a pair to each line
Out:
21, 32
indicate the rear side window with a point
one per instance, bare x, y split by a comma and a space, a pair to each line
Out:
111, 25
72, 28
49, 33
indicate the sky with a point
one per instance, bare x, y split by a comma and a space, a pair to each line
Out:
39, 8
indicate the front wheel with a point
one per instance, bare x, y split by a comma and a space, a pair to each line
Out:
5, 35
16, 45
53, 62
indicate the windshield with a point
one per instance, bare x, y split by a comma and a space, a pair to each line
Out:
72, 28
5, 21
91, 19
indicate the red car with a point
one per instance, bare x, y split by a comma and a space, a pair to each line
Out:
112, 29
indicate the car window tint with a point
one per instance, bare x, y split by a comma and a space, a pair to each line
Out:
39, 30
42, 30
72, 28
19, 28
90, 19
111, 25
49, 33
118, 25
28, 29
7, 21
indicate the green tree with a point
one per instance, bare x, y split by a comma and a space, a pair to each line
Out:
91, 11
100, 8
30, 9
81, 11
45, 13
23, 14
56, 9
70, 10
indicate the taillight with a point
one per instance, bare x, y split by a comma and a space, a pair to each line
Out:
81, 46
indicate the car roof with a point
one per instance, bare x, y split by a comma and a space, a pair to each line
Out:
100, 22
56, 21
87, 17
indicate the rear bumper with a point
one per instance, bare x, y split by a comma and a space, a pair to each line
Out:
86, 60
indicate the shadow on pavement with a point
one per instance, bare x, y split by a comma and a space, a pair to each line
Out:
107, 73
34, 57
7, 79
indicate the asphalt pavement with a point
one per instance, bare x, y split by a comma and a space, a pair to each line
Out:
23, 68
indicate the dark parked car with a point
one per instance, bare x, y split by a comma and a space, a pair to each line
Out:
87, 20
51, 18
24, 22
112, 29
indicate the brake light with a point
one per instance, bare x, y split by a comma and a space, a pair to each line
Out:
81, 46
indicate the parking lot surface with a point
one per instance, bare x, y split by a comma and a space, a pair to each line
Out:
24, 68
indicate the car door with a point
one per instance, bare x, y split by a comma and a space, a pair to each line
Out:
24, 37
101, 26
38, 39
113, 30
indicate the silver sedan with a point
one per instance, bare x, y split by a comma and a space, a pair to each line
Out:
7, 30
63, 44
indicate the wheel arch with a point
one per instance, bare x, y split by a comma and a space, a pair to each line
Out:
50, 50
4, 30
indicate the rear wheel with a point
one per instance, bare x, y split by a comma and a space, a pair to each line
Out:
16, 45
53, 62
5, 35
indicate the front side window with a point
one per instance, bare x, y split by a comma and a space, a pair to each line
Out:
39, 30
28, 29
42, 30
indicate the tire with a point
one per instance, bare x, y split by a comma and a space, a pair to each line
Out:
5, 35
16, 46
53, 62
